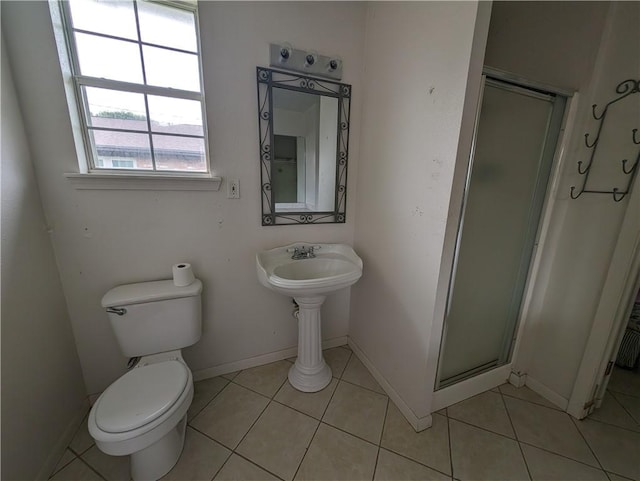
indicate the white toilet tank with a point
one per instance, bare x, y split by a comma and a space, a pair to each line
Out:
153, 317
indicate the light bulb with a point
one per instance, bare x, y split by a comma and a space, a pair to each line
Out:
285, 52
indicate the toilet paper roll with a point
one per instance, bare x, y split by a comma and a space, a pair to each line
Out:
183, 274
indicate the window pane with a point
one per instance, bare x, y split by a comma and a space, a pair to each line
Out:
121, 150
109, 17
108, 58
179, 153
177, 116
115, 109
156, 20
165, 68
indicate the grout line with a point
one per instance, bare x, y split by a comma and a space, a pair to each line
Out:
210, 400
368, 389
449, 440
350, 434
221, 466
256, 464
555, 408
623, 407
513, 428
55, 471
527, 443
599, 421
384, 421
391, 450
256, 392
91, 467
586, 442
318, 426
206, 405
302, 412
623, 393
485, 429
252, 425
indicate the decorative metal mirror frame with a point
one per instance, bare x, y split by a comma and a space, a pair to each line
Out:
267, 79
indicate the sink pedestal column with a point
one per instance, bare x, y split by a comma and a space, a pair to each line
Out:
309, 373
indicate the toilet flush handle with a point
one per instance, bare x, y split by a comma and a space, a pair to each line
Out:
121, 311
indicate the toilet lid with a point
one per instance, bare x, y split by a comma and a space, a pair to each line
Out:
140, 396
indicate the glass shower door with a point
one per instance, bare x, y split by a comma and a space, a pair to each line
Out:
515, 142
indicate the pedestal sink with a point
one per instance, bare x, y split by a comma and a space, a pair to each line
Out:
308, 272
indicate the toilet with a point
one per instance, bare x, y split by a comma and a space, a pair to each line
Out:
143, 414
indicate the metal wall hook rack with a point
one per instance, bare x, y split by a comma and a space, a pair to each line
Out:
623, 89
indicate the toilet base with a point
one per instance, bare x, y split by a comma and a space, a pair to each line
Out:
153, 462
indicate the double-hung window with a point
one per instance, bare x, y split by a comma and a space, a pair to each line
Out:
138, 79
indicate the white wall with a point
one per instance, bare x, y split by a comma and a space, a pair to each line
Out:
417, 62
583, 232
104, 238
42, 388
549, 42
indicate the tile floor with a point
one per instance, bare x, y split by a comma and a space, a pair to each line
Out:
252, 425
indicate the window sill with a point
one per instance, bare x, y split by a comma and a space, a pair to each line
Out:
142, 182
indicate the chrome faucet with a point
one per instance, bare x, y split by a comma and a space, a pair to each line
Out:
303, 252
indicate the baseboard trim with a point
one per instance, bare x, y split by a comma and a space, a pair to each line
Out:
470, 387
419, 424
255, 361
517, 379
58, 450
547, 393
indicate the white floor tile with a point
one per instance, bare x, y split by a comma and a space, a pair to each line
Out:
526, 394
358, 411
204, 392
429, 447
477, 454
392, 467
617, 449
312, 403
486, 411
239, 469
111, 468
625, 381
548, 429
357, 373
66, 458
82, 439
551, 467
200, 460
230, 415
265, 379
278, 440
612, 412
76, 471
337, 456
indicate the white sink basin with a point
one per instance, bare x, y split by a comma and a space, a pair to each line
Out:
334, 267
308, 281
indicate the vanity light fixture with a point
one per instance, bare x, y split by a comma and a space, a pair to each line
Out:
310, 59
334, 64
285, 52
283, 55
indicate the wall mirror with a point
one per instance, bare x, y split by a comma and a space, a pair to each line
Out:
304, 148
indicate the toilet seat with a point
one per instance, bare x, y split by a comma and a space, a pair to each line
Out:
141, 396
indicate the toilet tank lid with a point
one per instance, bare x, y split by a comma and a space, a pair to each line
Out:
148, 292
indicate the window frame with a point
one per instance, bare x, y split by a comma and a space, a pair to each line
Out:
79, 81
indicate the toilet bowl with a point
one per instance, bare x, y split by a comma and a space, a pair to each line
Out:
144, 414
